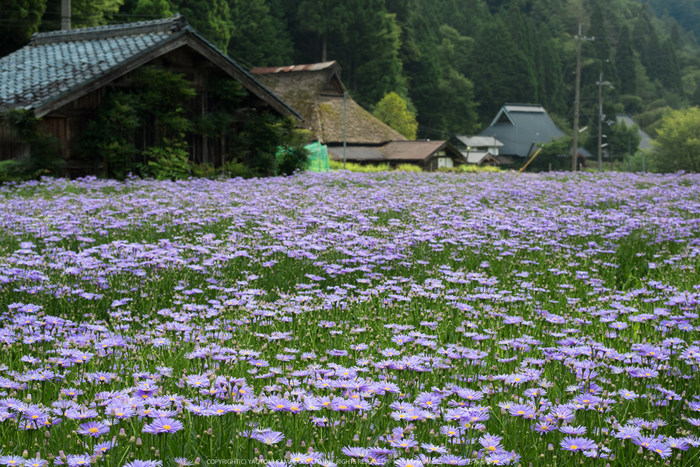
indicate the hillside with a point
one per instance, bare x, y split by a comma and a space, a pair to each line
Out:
455, 61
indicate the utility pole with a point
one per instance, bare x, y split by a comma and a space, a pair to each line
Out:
65, 14
579, 39
600, 84
345, 126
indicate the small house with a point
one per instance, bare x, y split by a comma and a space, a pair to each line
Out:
480, 150
428, 155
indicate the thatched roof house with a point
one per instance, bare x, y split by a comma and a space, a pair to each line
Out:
316, 92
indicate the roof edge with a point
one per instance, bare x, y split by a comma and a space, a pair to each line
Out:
173, 24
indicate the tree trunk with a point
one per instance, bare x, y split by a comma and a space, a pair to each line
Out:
324, 50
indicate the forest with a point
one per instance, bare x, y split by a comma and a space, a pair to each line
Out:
455, 62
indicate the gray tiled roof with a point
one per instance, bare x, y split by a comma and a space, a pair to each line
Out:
56, 62
517, 126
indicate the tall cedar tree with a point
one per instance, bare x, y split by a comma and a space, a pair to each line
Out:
370, 56
602, 48
522, 31
503, 74
259, 38
324, 18
624, 60
551, 67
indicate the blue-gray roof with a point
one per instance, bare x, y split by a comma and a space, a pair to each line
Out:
517, 126
646, 140
55, 64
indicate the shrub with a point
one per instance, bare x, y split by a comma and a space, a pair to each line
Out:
352, 167
408, 168
169, 161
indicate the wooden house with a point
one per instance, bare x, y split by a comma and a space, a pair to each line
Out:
481, 150
65, 76
428, 155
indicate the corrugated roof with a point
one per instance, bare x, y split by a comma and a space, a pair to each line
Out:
536, 108
527, 127
358, 153
480, 141
56, 64
293, 68
645, 143
412, 150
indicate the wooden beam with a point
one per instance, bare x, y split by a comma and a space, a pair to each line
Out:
245, 79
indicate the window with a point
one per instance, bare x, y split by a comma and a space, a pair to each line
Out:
445, 162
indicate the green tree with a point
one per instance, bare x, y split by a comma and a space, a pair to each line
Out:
500, 73
677, 145
695, 100
625, 62
153, 8
554, 96
210, 18
393, 111
522, 33
324, 17
259, 38
370, 57
20, 19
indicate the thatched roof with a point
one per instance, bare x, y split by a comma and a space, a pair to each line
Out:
316, 92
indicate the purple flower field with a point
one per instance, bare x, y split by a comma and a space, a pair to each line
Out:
332, 319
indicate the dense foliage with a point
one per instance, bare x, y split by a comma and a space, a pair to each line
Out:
678, 142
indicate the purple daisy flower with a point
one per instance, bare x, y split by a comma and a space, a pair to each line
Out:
268, 437
163, 425
94, 429
577, 444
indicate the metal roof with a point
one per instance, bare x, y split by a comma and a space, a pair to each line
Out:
480, 141
525, 124
293, 68
412, 150
357, 153
57, 64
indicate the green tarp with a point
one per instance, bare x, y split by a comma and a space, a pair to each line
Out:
318, 157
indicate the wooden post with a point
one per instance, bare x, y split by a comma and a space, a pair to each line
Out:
65, 15
205, 141
577, 102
